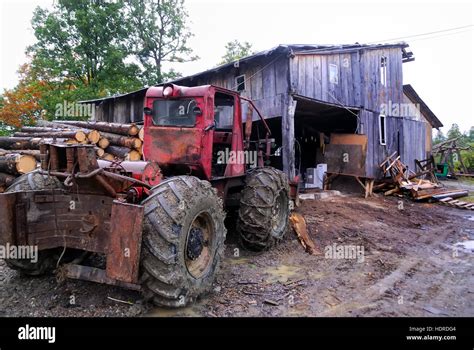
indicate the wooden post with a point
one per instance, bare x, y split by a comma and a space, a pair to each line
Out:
288, 137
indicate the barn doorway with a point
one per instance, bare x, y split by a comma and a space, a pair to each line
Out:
315, 123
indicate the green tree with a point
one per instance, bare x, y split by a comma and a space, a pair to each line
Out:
158, 34
454, 131
80, 51
236, 50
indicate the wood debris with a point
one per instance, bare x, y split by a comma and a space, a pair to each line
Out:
299, 226
421, 185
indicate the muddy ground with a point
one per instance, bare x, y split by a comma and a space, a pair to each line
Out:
411, 266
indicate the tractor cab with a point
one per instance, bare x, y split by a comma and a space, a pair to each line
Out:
197, 131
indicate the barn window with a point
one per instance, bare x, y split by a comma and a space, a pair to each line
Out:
382, 130
240, 82
383, 70
333, 74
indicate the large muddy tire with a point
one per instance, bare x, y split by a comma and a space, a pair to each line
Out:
34, 181
183, 241
264, 209
47, 259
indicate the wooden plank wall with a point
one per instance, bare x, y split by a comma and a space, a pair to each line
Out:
121, 110
405, 136
414, 142
266, 84
359, 82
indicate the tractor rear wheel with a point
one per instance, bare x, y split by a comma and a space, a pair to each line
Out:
47, 259
264, 209
183, 241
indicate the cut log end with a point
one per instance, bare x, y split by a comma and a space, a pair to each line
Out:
93, 136
134, 130
80, 136
103, 142
137, 143
141, 133
108, 156
100, 152
25, 164
133, 155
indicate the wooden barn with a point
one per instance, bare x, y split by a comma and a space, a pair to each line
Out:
344, 106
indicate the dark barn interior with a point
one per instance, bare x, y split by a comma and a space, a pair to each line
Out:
314, 124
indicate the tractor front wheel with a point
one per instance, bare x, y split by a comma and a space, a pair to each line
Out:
183, 241
264, 208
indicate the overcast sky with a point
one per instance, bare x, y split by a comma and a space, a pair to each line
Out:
442, 72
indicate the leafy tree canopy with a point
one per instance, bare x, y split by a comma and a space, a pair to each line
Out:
236, 50
95, 48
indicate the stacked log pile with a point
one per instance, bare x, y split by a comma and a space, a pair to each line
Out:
20, 154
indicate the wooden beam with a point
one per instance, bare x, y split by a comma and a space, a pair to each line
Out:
288, 136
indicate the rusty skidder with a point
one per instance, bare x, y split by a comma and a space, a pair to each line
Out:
159, 222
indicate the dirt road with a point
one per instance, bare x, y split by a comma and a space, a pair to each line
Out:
407, 264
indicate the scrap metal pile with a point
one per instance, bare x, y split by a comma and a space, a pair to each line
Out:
20, 153
422, 185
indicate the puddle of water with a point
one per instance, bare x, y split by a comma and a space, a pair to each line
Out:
470, 218
189, 311
469, 245
282, 273
238, 261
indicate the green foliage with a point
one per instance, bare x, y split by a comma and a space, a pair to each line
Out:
89, 49
157, 34
454, 131
464, 140
236, 50
81, 42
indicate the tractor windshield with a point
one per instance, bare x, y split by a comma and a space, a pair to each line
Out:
174, 112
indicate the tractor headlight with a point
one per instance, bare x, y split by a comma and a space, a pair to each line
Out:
168, 91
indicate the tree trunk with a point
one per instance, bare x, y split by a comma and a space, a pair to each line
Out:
40, 129
20, 143
123, 153
124, 141
118, 151
79, 135
115, 128
6, 180
17, 164
30, 152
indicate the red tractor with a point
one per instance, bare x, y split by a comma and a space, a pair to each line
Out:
158, 223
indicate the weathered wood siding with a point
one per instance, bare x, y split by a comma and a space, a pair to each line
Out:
359, 83
266, 84
125, 109
405, 136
